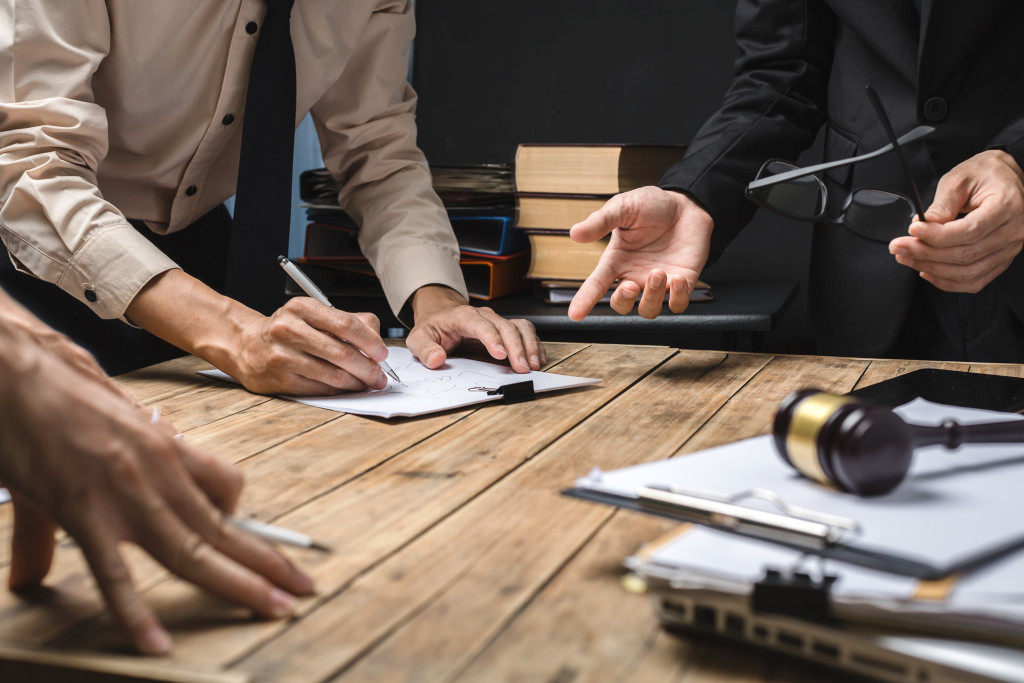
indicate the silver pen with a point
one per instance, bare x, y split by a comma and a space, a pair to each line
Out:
312, 290
277, 534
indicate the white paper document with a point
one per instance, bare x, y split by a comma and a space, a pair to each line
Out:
955, 507
456, 384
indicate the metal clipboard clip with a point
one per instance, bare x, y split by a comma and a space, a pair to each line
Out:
516, 392
793, 525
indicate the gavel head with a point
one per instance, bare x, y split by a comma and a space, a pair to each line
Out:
841, 442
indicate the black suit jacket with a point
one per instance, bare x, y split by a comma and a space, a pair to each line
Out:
804, 64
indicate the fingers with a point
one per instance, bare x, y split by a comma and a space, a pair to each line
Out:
373, 322
963, 255
970, 278
187, 491
31, 545
220, 481
208, 553
515, 340
951, 196
658, 285
654, 294
361, 330
314, 349
536, 355
114, 582
969, 230
512, 340
970, 282
426, 348
679, 294
498, 335
192, 557
594, 288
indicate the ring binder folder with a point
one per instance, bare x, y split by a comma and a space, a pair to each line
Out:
794, 594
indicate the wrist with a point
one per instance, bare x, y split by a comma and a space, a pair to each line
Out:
431, 299
184, 312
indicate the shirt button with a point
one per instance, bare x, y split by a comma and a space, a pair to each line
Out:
228, 119
191, 190
90, 295
252, 27
935, 109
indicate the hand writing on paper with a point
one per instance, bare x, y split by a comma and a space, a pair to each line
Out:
304, 348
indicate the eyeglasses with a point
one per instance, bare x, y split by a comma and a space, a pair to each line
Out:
800, 194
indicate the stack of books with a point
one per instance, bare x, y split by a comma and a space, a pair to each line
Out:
480, 203
559, 185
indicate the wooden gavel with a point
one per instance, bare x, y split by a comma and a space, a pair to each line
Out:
863, 448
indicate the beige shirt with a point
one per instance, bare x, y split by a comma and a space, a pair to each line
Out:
133, 108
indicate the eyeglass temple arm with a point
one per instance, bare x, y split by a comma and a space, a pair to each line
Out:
876, 102
913, 135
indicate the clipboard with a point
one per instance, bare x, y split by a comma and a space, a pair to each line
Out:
956, 512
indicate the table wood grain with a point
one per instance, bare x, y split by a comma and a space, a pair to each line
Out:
455, 558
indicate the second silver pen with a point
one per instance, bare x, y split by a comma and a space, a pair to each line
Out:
312, 290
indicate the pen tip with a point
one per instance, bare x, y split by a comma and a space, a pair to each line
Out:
281, 259
322, 548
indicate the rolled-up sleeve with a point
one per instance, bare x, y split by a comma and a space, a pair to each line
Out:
367, 128
54, 220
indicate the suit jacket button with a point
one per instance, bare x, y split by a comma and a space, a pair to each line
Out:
935, 109
90, 295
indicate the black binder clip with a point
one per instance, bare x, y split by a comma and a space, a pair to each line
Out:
794, 594
511, 393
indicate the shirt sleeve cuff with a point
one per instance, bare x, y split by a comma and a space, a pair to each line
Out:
109, 271
417, 265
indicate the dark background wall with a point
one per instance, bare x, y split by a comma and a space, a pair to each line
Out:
493, 74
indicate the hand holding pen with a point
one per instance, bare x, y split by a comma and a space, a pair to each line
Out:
313, 291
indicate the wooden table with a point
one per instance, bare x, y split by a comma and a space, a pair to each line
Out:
456, 558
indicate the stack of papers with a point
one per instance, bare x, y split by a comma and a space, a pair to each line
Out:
986, 604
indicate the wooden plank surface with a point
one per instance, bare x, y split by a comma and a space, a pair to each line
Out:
456, 557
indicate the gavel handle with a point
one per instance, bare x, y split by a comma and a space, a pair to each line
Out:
952, 434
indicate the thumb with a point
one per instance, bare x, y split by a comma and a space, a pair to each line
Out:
426, 350
599, 223
951, 195
31, 545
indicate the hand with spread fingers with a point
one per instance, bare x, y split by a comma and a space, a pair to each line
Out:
965, 254
659, 244
444, 320
76, 453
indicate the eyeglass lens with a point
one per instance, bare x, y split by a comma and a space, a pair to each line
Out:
878, 215
800, 198
875, 214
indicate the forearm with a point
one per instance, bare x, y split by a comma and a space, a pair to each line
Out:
184, 312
